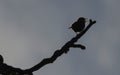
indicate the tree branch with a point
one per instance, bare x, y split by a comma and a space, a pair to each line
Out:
64, 49
78, 46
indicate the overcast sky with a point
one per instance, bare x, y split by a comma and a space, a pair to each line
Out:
31, 30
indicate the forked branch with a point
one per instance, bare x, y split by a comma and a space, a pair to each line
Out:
63, 50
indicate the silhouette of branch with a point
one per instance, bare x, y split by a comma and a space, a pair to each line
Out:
79, 46
64, 49
9, 70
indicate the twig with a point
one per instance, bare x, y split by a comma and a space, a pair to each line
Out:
78, 46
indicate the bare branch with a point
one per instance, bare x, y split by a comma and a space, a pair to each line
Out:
64, 49
78, 46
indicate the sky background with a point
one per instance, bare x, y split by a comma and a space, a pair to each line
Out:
31, 30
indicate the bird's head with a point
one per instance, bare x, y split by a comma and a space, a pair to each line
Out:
82, 19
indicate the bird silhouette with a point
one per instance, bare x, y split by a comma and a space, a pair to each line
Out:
79, 25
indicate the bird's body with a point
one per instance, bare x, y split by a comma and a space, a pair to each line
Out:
79, 25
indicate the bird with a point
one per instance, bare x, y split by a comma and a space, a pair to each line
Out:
79, 25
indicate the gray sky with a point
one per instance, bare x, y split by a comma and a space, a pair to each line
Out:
31, 30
